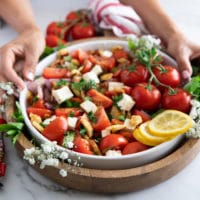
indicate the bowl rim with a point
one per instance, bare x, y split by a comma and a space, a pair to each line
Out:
42, 139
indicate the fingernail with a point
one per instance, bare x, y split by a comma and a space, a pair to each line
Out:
185, 74
30, 76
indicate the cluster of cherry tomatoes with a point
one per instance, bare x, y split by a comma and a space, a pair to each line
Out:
77, 25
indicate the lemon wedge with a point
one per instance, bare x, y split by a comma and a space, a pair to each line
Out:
143, 135
170, 123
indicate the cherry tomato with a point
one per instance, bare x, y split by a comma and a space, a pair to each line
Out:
42, 112
113, 141
179, 100
99, 99
147, 97
52, 72
73, 15
83, 30
145, 116
55, 28
134, 147
134, 75
67, 111
168, 75
53, 40
86, 66
82, 146
2, 121
56, 129
102, 120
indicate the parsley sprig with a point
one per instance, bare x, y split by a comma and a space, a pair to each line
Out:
84, 85
13, 129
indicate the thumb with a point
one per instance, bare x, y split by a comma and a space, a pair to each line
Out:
185, 67
31, 60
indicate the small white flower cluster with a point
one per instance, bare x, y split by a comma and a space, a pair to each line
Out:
48, 155
194, 132
8, 89
148, 41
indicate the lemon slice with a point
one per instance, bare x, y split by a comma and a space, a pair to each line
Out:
143, 135
170, 123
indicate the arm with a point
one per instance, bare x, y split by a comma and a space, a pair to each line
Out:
159, 23
26, 48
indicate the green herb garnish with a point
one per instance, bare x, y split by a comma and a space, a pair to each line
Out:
84, 85
92, 117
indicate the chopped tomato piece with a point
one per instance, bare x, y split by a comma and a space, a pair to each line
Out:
42, 112
107, 63
82, 146
80, 54
99, 99
128, 135
143, 114
86, 67
39, 104
51, 72
67, 111
116, 121
114, 142
134, 147
120, 53
56, 129
102, 120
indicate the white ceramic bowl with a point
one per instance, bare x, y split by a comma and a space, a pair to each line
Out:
102, 162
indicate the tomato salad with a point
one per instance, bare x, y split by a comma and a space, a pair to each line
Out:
92, 101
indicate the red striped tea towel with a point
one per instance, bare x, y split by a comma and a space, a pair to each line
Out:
121, 19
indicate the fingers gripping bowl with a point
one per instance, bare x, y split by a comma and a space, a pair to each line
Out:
98, 161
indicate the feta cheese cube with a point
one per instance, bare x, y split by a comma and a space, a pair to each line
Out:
106, 53
62, 94
105, 132
126, 103
115, 85
88, 106
48, 120
97, 70
91, 76
113, 153
72, 121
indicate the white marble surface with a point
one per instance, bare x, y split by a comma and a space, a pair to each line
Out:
21, 182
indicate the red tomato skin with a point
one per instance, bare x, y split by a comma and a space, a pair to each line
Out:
106, 63
139, 75
113, 141
170, 76
99, 99
42, 112
54, 73
80, 54
179, 101
54, 29
2, 121
53, 40
146, 99
56, 129
128, 135
72, 15
120, 53
145, 117
80, 31
66, 112
134, 147
102, 120
82, 146
39, 104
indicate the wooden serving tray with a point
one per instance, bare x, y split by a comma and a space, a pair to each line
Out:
118, 181
113, 181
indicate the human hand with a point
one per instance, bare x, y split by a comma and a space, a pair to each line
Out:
183, 50
21, 55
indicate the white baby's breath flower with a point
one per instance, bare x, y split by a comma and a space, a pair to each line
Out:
63, 173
